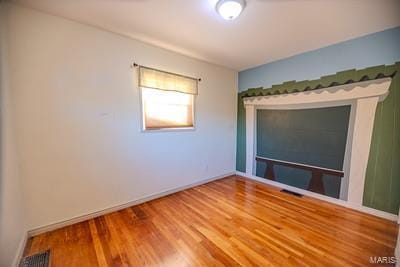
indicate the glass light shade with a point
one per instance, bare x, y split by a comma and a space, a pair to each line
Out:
230, 9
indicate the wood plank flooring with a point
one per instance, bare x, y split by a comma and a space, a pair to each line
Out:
230, 222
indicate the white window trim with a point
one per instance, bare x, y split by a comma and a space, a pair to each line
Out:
171, 129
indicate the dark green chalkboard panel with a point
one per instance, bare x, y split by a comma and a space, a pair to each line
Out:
308, 136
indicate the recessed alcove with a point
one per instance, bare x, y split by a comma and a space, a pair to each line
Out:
362, 97
314, 137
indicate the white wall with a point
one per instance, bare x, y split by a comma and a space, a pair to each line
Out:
12, 221
78, 119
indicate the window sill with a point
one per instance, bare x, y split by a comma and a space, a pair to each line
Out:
178, 129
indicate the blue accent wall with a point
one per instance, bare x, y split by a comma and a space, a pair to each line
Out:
375, 49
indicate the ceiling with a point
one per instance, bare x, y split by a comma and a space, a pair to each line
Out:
266, 31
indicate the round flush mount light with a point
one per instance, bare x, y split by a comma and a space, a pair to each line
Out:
230, 9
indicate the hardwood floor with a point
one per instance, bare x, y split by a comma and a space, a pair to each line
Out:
229, 222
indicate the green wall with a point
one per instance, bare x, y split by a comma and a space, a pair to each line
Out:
382, 185
382, 182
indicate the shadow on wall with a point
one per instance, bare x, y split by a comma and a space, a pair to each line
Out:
12, 223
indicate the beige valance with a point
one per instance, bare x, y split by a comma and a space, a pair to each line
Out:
162, 80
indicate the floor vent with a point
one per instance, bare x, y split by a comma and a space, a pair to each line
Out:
291, 192
36, 260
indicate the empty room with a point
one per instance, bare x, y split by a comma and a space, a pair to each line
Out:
199, 133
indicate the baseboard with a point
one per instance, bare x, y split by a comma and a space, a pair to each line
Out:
20, 250
371, 211
60, 224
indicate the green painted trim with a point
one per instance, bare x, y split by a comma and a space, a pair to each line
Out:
382, 181
340, 78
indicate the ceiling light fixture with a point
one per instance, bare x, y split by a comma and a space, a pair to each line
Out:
230, 9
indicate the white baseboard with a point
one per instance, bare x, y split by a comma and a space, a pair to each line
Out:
378, 213
60, 224
20, 250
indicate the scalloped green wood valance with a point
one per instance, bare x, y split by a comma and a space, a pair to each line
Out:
340, 78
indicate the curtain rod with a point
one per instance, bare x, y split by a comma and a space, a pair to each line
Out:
134, 65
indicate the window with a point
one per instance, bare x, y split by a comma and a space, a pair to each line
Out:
167, 99
166, 109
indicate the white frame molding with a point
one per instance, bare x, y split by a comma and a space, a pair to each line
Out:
363, 98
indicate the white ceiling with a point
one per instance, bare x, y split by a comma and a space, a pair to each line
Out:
266, 31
